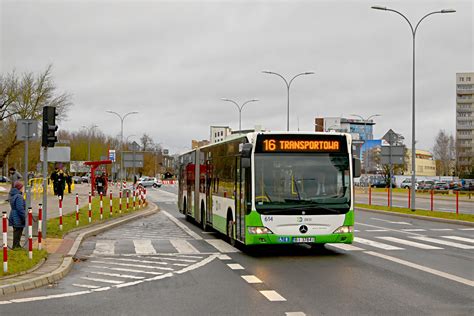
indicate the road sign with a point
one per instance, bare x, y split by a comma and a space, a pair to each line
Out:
26, 129
396, 160
57, 154
396, 151
132, 159
112, 155
134, 146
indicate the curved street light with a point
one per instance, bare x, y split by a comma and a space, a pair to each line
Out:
288, 84
239, 108
89, 129
413, 150
365, 122
122, 118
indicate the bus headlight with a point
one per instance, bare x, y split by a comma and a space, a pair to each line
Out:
344, 230
259, 230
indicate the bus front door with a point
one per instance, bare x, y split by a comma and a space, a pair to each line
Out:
240, 201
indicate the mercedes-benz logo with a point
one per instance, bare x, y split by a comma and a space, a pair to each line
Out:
303, 229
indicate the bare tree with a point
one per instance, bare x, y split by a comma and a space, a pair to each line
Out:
24, 98
444, 152
147, 142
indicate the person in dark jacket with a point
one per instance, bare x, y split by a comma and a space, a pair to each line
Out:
68, 181
14, 175
17, 214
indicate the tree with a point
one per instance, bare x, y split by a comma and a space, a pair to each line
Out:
147, 142
24, 98
444, 153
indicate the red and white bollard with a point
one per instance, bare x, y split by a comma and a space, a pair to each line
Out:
139, 197
457, 202
370, 195
101, 206
432, 202
77, 209
5, 246
144, 198
90, 207
134, 194
30, 233
60, 213
128, 198
110, 203
409, 198
120, 201
40, 226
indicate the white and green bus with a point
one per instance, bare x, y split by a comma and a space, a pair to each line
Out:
272, 187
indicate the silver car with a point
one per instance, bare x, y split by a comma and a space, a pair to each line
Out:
149, 182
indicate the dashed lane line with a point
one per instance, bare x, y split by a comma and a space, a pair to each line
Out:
251, 279
459, 239
295, 314
273, 296
235, 266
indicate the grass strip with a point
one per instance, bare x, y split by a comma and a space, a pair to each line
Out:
69, 220
437, 214
18, 260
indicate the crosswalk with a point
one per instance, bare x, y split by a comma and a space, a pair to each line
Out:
391, 243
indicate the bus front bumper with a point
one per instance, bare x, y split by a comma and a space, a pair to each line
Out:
271, 239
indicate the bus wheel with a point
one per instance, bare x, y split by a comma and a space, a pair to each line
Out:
204, 225
230, 230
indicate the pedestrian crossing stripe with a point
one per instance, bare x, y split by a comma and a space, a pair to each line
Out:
460, 239
409, 243
376, 244
443, 242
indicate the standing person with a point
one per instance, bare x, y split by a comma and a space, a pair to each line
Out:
17, 214
14, 175
68, 181
54, 179
61, 184
100, 184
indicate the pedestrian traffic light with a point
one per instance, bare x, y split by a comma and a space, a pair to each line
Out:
49, 126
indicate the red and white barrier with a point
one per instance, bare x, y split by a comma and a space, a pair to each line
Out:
101, 206
60, 213
168, 181
134, 194
90, 207
77, 209
128, 198
40, 226
120, 201
110, 203
139, 195
145, 197
5, 246
30, 233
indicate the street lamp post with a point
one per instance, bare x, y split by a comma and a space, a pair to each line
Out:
122, 118
239, 108
413, 150
89, 132
288, 84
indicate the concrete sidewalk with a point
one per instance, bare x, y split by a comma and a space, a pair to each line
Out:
61, 255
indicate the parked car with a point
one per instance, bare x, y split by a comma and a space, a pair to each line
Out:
426, 185
149, 182
379, 184
77, 179
406, 184
440, 185
86, 178
4, 179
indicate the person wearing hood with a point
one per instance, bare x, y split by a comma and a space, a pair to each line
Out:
17, 214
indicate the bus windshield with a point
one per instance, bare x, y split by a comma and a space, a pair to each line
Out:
302, 183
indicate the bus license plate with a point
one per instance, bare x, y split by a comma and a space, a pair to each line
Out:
303, 239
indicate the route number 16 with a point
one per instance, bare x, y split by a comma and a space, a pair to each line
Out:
269, 144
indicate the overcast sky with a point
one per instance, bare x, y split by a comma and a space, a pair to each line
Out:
173, 60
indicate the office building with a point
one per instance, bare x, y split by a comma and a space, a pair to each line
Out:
464, 122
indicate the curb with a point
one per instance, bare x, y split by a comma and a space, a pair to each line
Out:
67, 262
427, 218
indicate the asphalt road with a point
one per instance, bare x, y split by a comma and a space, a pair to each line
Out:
164, 265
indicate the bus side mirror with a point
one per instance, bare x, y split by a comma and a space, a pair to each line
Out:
245, 150
355, 167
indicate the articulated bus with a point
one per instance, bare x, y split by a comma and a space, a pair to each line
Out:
272, 187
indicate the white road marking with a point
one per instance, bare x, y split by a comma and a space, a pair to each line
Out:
127, 270
466, 228
101, 280
460, 239
148, 261
182, 246
104, 247
173, 259
143, 247
376, 244
132, 265
345, 247
409, 243
295, 314
251, 279
48, 297
440, 229
182, 226
221, 245
126, 276
273, 296
224, 257
235, 266
390, 229
376, 230
86, 286
414, 230
443, 242
422, 268
391, 222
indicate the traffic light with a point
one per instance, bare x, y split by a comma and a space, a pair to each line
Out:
49, 126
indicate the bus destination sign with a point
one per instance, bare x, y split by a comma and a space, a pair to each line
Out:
300, 143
